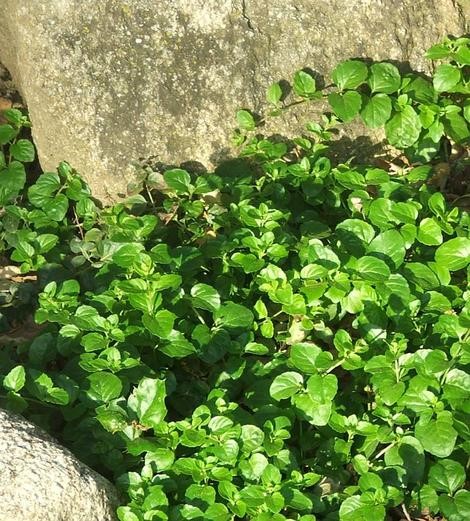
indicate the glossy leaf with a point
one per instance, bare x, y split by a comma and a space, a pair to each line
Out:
245, 120
23, 150
376, 110
147, 401
384, 77
285, 385
454, 254
304, 84
349, 74
346, 106
403, 128
446, 77
103, 386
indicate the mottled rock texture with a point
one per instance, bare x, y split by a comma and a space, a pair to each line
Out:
109, 81
42, 481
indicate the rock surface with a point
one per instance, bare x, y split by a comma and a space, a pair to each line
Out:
109, 82
42, 481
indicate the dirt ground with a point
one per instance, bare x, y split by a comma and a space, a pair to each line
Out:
9, 96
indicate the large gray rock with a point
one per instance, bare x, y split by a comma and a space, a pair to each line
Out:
110, 81
42, 481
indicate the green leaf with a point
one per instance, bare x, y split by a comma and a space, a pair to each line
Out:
456, 508
421, 274
275, 502
420, 89
438, 436
148, 402
429, 232
234, 316
286, 385
23, 252
426, 497
437, 205
349, 74
252, 437
253, 468
219, 424
296, 499
447, 476
15, 379
370, 481
103, 386
87, 317
41, 192
217, 512
205, 297
42, 350
7, 133
390, 246
313, 271
345, 105
129, 514
160, 324
162, 458
56, 209
457, 386
252, 495
462, 55
454, 253
249, 262
304, 357
112, 421
46, 242
127, 255
377, 110
189, 512
57, 396
15, 117
317, 403
438, 52
245, 120
355, 235
205, 493
155, 498
167, 281
409, 454
405, 212
403, 129
304, 84
446, 77
178, 180
372, 269
352, 509
12, 180
384, 77
23, 150
456, 127
256, 349
274, 94
177, 345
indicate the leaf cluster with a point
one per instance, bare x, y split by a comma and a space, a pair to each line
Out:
287, 340
419, 113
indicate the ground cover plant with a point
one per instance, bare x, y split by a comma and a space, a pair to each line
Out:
283, 339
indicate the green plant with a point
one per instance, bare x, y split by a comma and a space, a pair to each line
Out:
420, 114
287, 340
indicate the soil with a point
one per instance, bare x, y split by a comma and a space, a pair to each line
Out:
9, 96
